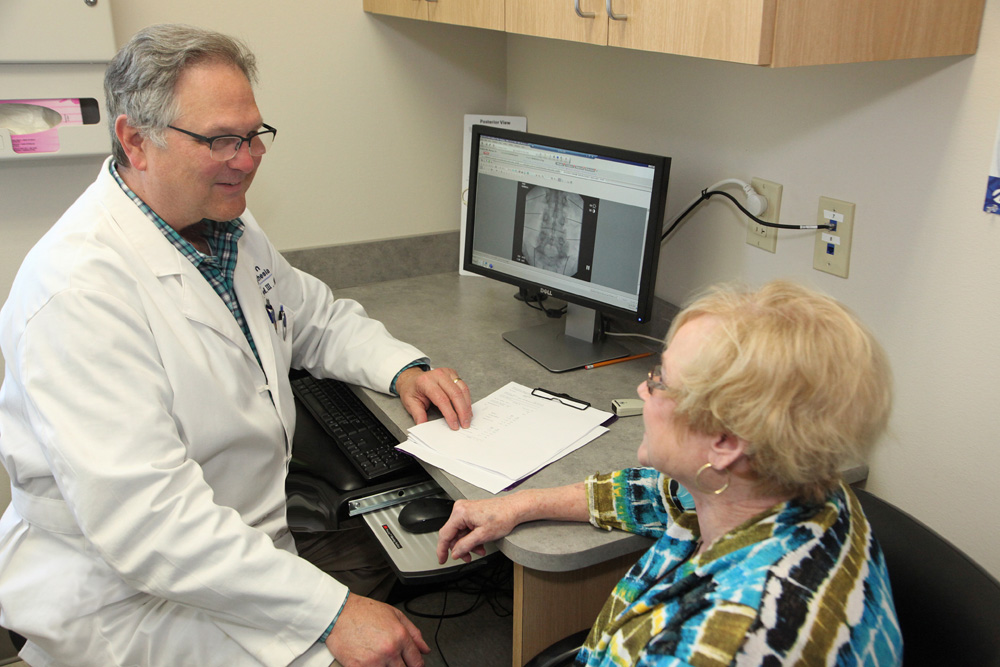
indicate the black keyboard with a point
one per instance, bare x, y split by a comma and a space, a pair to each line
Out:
358, 433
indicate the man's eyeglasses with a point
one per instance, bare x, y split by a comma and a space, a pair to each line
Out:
225, 146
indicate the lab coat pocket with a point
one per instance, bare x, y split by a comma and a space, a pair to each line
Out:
283, 334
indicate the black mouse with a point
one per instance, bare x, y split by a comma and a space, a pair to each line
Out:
424, 515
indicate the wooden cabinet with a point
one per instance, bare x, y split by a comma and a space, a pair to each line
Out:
762, 32
735, 30
813, 32
476, 13
576, 20
778, 33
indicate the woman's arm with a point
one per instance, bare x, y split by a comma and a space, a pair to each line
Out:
475, 522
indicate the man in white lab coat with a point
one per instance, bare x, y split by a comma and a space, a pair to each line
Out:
146, 417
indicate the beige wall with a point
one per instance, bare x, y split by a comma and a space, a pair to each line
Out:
911, 144
365, 104
369, 112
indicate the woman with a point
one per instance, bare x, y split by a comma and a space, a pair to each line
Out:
763, 555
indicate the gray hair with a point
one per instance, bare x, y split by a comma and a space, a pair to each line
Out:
140, 81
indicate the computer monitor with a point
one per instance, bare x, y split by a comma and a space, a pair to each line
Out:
571, 220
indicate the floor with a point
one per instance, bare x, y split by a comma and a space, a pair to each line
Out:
469, 623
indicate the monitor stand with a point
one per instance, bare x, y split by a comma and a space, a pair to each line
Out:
562, 348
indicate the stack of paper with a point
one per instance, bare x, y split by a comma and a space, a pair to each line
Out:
513, 435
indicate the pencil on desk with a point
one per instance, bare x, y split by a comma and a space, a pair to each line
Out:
617, 361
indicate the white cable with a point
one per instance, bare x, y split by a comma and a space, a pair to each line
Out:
756, 203
635, 335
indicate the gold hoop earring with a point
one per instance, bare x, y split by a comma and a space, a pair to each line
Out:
697, 479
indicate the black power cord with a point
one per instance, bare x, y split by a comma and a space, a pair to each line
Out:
705, 194
535, 299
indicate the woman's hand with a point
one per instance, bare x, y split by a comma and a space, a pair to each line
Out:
473, 523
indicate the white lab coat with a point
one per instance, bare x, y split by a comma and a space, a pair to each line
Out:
147, 448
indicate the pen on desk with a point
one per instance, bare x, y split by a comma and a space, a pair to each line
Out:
617, 361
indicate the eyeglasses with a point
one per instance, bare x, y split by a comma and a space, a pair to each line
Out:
225, 146
654, 380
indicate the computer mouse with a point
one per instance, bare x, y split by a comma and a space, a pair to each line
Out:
424, 515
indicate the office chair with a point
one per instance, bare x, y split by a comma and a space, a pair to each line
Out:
17, 640
948, 605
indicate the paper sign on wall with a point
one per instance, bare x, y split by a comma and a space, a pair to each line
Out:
992, 204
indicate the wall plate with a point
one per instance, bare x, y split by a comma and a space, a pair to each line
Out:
832, 252
765, 238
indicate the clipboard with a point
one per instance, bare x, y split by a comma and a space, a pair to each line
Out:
513, 435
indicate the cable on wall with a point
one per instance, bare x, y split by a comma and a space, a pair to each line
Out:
756, 205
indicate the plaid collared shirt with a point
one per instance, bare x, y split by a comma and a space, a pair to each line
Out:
217, 268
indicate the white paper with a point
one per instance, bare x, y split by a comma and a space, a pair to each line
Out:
487, 480
513, 435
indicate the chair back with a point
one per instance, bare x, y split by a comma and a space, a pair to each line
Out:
948, 605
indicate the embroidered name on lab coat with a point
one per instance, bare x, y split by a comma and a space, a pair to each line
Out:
265, 280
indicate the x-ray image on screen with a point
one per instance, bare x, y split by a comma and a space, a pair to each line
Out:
554, 230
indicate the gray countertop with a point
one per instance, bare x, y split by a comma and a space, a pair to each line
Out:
458, 321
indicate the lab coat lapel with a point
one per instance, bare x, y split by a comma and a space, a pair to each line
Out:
263, 331
197, 300
201, 304
252, 303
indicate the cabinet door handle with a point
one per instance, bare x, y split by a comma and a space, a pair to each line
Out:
582, 14
613, 16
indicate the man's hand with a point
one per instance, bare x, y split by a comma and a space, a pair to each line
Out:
442, 388
372, 634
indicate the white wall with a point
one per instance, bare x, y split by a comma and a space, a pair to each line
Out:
369, 116
911, 144
368, 110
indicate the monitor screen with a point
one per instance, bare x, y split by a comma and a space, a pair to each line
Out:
571, 220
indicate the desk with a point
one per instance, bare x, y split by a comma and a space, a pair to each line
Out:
563, 572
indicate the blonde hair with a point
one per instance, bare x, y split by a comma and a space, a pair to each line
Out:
792, 372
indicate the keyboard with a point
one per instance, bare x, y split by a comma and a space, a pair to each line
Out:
357, 432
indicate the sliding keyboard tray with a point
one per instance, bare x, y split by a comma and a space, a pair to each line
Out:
412, 556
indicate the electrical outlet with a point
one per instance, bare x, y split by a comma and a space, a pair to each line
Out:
832, 252
765, 238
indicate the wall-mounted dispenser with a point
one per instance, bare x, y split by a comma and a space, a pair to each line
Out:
52, 59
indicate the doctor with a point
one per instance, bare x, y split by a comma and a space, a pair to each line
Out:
146, 415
